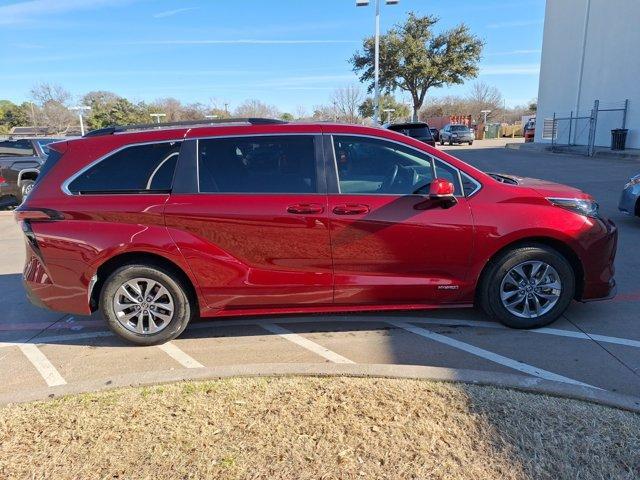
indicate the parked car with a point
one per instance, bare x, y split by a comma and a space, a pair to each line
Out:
435, 133
418, 130
529, 130
20, 161
630, 198
156, 226
456, 134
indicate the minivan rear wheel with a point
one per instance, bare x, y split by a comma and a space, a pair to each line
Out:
145, 305
528, 287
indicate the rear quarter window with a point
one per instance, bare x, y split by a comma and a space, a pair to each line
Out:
136, 169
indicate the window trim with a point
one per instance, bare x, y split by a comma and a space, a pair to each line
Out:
65, 185
321, 186
337, 177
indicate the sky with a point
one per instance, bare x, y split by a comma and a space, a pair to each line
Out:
288, 53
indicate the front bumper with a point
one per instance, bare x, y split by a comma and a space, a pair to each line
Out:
629, 200
598, 261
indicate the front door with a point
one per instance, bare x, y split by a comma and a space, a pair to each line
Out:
256, 231
390, 243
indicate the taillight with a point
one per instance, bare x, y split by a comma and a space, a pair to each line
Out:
37, 215
3, 180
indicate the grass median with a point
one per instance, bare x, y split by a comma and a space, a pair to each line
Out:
304, 428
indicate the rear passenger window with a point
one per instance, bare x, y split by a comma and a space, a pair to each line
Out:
270, 164
16, 148
136, 169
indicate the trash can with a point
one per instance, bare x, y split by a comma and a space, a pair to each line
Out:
618, 138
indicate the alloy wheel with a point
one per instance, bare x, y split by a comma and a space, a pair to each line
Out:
143, 306
530, 289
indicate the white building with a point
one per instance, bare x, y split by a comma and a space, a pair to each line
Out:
590, 51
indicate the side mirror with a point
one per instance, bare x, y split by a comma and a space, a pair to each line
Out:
442, 191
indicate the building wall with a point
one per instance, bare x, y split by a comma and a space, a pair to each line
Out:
609, 69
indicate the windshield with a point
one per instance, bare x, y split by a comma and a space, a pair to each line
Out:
414, 131
44, 144
459, 128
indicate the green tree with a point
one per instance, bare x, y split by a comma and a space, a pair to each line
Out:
12, 115
386, 102
287, 117
414, 58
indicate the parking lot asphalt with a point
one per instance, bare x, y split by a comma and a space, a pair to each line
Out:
595, 344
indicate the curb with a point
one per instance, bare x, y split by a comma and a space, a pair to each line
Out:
414, 372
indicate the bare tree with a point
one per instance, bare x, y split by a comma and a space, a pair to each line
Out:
255, 108
300, 112
484, 97
346, 101
53, 102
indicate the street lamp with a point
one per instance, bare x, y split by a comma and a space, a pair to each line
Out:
376, 100
157, 116
80, 109
389, 111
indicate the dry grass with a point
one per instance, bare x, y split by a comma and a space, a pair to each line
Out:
320, 428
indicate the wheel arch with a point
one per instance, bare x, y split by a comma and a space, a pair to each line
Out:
27, 174
562, 248
145, 258
637, 209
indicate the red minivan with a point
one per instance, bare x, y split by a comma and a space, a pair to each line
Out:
156, 225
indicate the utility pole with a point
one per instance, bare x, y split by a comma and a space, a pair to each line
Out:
376, 100
80, 109
157, 116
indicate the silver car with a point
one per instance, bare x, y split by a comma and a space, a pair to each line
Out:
630, 199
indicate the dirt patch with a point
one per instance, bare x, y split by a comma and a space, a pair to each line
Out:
303, 428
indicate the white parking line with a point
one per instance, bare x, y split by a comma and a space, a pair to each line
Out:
305, 343
179, 356
42, 364
487, 355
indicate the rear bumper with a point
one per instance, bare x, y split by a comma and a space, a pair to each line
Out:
43, 293
598, 262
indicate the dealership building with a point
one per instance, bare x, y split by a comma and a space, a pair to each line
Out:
590, 73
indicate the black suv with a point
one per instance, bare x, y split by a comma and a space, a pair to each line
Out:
20, 162
418, 130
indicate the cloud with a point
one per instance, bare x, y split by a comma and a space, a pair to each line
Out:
238, 42
516, 23
22, 12
514, 69
170, 13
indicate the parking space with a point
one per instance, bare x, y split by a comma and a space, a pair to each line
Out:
594, 344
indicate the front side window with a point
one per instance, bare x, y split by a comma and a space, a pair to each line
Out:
368, 165
261, 164
136, 169
16, 148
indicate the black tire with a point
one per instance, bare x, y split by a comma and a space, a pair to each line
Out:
183, 305
25, 188
489, 289
442, 143
470, 143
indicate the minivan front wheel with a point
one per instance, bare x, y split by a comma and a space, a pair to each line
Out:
528, 287
145, 305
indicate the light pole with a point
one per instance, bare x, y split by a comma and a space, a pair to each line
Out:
389, 111
376, 100
484, 123
157, 116
80, 109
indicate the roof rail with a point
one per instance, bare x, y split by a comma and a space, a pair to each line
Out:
150, 126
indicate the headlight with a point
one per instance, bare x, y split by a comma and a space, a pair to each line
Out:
580, 206
633, 181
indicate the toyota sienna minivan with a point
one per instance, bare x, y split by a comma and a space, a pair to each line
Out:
155, 225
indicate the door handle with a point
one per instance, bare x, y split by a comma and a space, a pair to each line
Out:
305, 208
351, 209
